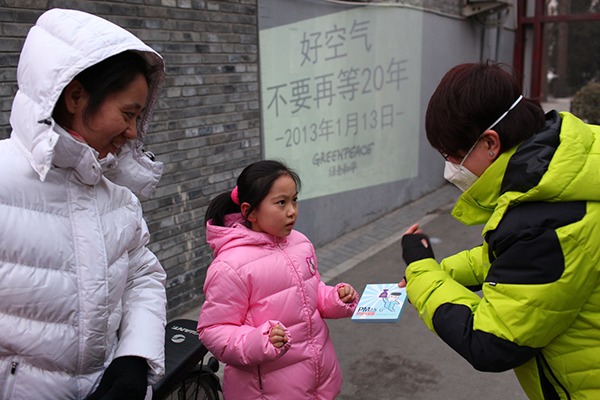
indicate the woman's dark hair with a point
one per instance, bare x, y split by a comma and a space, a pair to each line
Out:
469, 98
110, 76
254, 184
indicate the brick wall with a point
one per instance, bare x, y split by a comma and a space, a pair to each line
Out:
206, 127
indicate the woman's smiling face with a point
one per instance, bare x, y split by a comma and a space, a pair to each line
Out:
115, 121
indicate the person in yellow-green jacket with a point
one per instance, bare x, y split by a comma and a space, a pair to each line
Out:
533, 181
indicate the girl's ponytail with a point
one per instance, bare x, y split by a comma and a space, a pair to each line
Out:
219, 207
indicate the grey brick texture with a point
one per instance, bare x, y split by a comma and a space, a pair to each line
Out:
206, 127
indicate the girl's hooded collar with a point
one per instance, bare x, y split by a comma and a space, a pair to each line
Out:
236, 233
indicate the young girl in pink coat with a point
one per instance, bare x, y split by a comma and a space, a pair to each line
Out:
265, 301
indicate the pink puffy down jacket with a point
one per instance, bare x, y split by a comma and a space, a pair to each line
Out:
255, 282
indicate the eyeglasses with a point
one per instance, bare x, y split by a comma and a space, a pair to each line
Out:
447, 156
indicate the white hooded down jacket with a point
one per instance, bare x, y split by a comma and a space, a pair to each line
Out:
78, 287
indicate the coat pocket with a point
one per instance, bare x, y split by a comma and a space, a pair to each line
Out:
550, 384
259, 379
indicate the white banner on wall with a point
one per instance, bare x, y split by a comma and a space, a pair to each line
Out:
341, 97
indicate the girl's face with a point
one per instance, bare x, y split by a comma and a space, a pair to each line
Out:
277, 213
115, 121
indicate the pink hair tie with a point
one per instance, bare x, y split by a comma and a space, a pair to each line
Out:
234, 196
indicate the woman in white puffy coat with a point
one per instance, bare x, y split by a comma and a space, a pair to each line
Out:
82, 300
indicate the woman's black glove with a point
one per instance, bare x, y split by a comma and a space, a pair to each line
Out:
413, 248
126, 378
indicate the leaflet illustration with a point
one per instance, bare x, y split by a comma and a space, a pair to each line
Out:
380, 302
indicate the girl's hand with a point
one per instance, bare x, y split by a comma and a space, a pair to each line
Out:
277, 336
346, 293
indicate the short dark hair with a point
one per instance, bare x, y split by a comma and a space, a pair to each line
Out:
254, 184
111, 76
469, 98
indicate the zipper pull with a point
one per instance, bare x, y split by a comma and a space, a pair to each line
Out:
9, 381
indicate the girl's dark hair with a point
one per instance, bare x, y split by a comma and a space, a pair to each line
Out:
469, 98
254, 184
111, 76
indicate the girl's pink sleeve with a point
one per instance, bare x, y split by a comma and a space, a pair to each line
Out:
221, 322
330, 305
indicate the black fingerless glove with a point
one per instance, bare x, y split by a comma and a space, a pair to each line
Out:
413, 249
126, 378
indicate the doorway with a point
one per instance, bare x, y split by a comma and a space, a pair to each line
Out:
557, 48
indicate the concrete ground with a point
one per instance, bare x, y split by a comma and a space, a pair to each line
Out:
405, 360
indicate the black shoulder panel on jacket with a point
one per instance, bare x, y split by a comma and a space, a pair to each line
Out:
484, 351
530, 162
524, 248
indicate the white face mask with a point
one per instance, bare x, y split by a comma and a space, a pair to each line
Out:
459, 175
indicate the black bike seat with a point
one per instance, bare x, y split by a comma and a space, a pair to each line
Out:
183, 351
